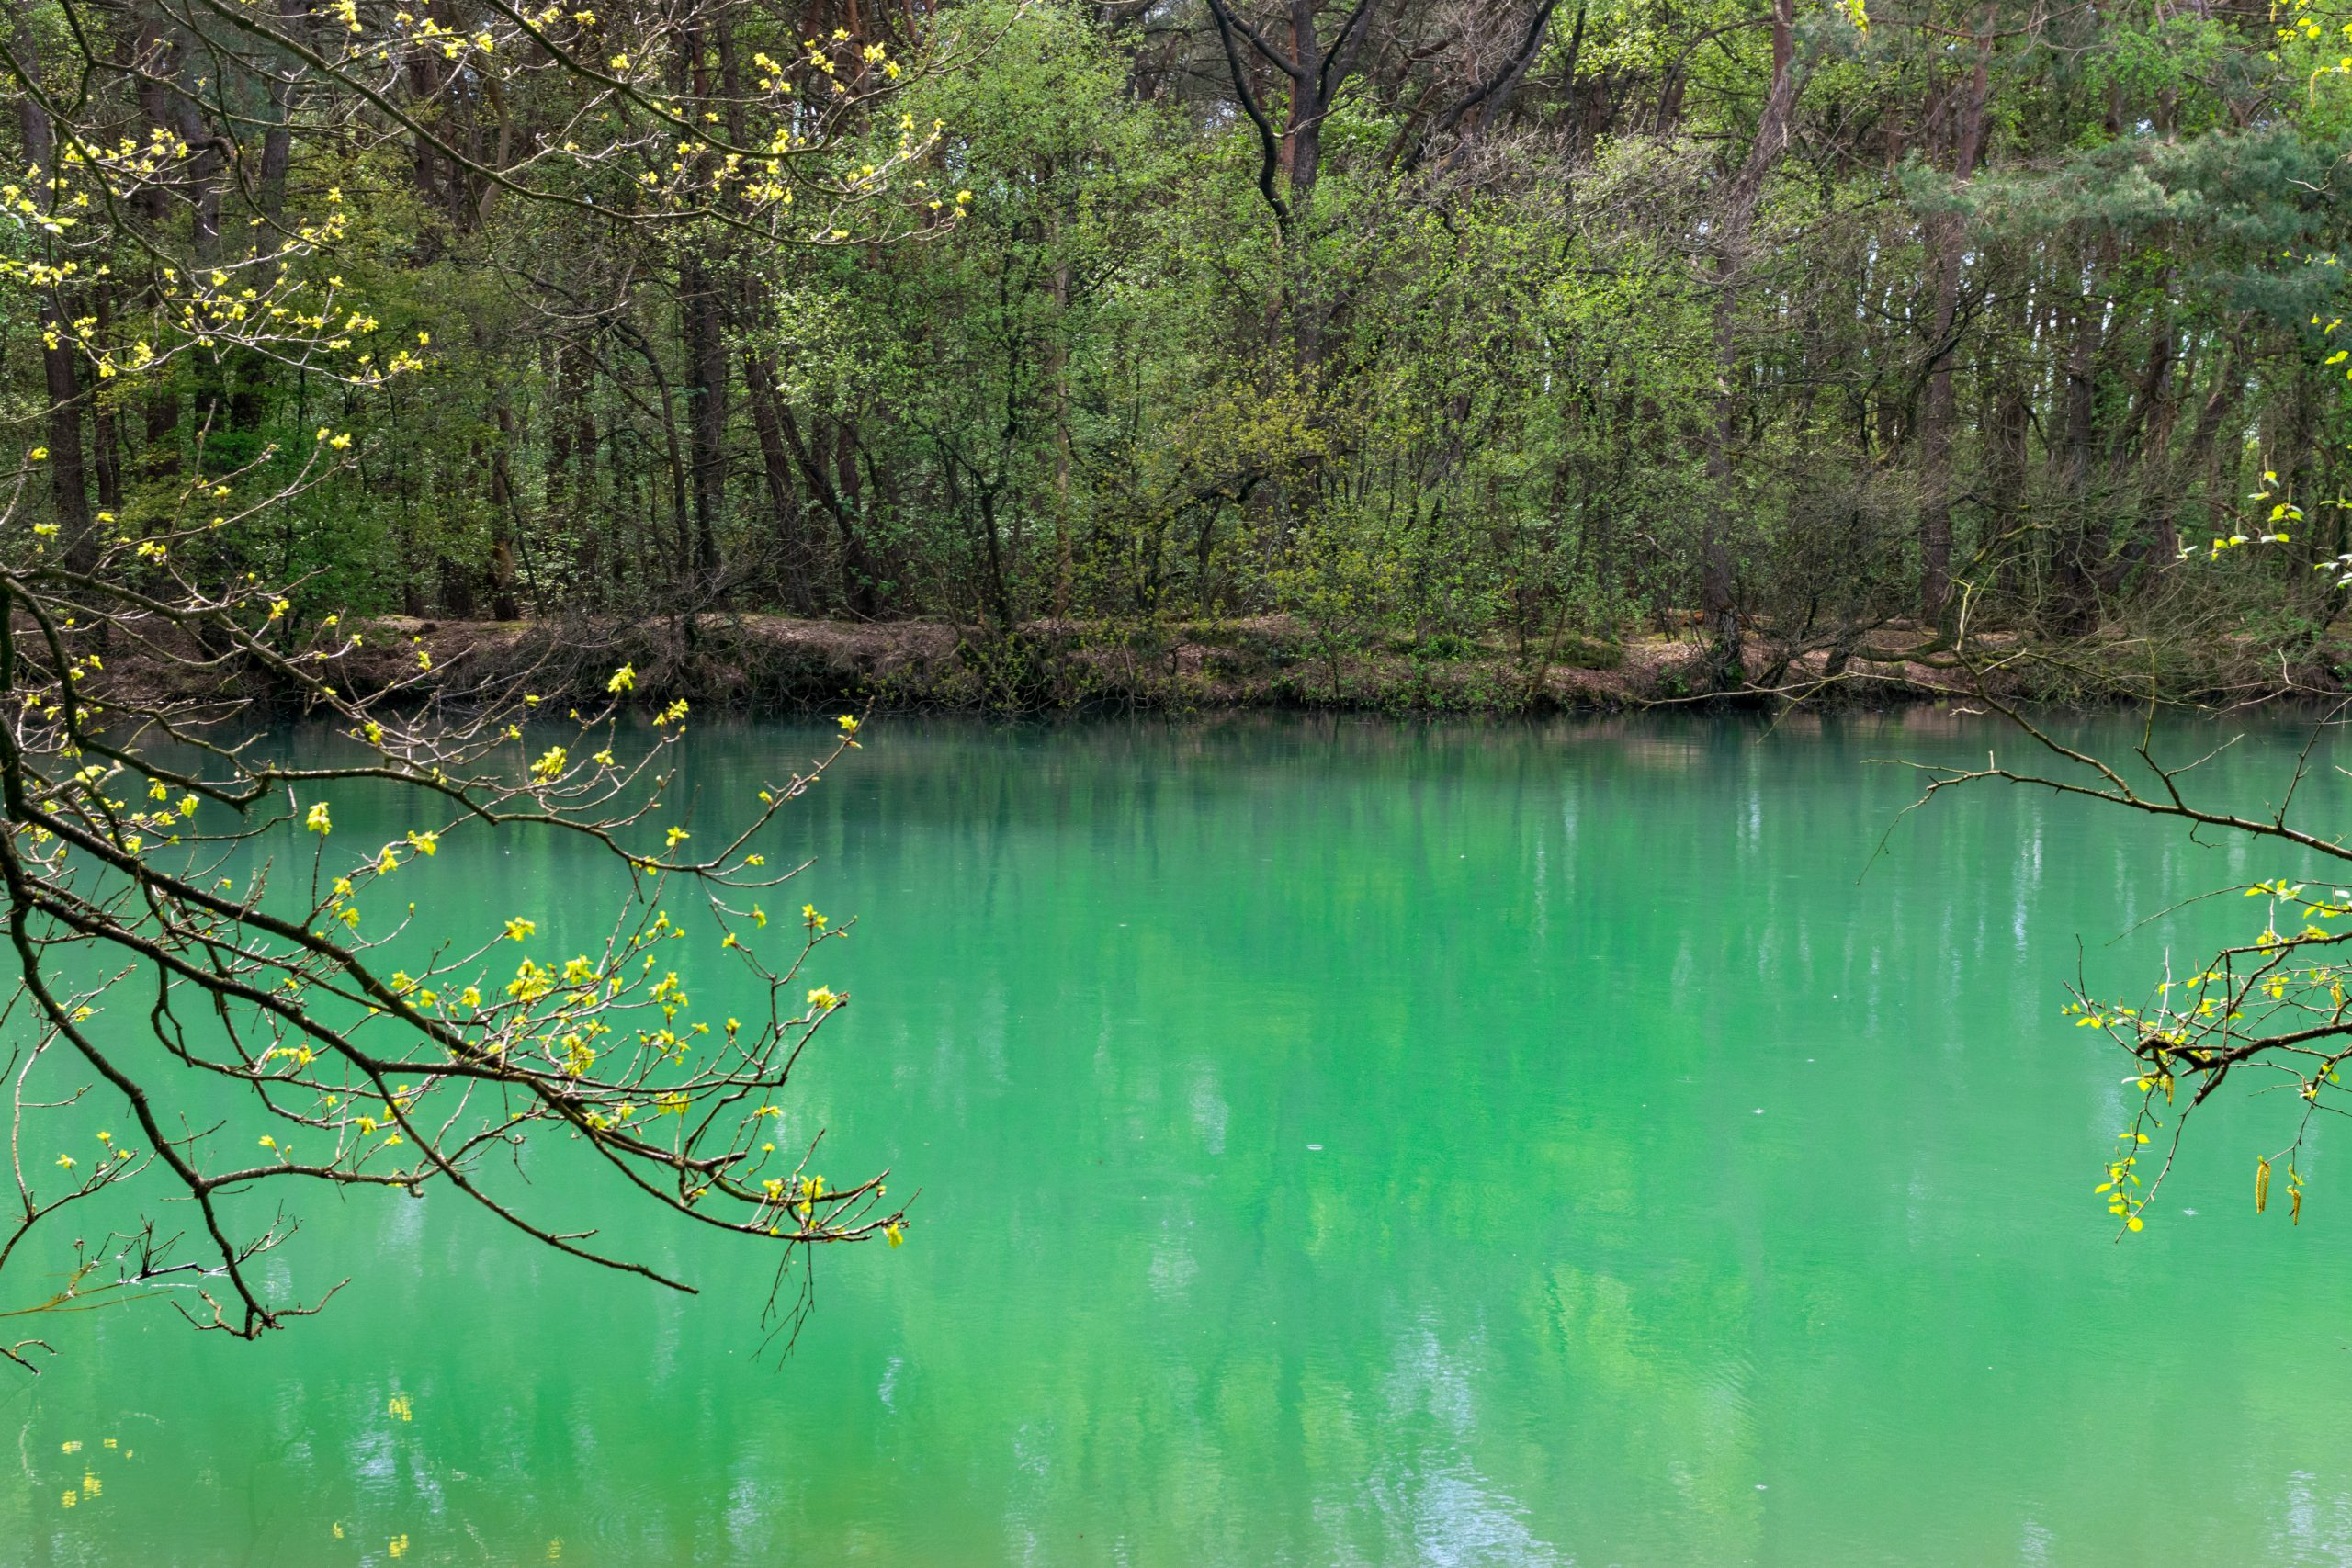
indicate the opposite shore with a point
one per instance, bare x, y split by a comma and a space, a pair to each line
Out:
758, 664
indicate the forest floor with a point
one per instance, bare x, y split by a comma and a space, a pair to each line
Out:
773, 663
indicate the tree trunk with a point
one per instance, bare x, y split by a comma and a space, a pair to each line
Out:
775, 469
1936, 410
2073, 565
504, 533
68, 476
706, 347
1734, 223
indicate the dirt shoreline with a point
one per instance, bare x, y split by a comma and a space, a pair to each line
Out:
757, 664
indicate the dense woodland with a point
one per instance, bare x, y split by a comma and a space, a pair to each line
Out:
1492, 320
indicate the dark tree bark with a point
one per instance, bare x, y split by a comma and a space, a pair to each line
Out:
705, 351
60, 374
859, 574
1291, 160
1734, 228
793, 564
2075, 542
1936, 410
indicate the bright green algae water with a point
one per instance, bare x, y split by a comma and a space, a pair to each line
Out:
1341, 1144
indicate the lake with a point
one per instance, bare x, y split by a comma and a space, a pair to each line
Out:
1342, 1143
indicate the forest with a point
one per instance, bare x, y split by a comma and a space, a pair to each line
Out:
1749, 1131
1427, 323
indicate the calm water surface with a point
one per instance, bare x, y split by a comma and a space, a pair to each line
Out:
1341, 1144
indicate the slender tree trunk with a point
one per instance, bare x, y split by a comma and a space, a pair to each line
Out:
106, 443
503, 535
154, 51
705, 347
159, 452
60, 373
1735, 224
859, 572
1057, 381
701, 325
278, 142
775, 469
1936, 411
2168, 480
205, 170
2073, 574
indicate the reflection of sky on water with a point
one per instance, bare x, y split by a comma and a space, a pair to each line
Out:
1435, 1507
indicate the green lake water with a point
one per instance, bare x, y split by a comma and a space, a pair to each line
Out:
1341, 1144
